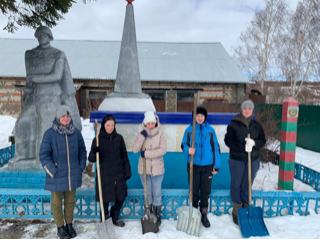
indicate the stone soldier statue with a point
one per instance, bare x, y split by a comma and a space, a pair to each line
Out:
49, 84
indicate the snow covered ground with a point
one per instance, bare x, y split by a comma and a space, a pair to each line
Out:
293, 226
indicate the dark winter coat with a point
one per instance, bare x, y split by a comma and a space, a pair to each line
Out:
63, 157
205, 143
235, 138
114, 166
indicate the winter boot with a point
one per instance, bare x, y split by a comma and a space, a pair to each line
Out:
63, 233
106, 216
245, 205
152, 208
235, 212
71, 230
158, 214
204, 218
115, 218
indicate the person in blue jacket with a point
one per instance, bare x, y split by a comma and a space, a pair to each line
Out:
206, 160
63, 156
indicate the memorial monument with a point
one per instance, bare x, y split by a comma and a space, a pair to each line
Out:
127, 95
49, 84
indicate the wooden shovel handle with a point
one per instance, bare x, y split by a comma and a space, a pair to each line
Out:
99, 175
249, 173
145, 176
192, 144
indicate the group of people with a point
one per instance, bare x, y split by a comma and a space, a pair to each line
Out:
63, 156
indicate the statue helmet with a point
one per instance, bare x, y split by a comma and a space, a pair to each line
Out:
44, 29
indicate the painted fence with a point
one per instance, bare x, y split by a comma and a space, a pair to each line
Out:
32, 203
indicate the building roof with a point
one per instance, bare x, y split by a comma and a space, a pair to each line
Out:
158, 61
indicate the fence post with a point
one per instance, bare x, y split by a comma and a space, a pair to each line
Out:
290, 110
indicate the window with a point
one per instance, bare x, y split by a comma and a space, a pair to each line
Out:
185, 96
156, 94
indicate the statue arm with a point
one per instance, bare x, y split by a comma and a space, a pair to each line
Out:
54, 76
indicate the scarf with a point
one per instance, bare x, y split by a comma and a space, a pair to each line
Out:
64, 130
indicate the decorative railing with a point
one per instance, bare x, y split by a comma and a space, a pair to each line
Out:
35, 203
6, 154
307, 176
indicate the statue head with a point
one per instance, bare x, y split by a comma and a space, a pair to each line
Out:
43, 29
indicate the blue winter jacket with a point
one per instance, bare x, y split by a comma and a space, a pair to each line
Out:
63, 157
206, 145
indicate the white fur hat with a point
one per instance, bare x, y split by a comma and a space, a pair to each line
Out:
149, 117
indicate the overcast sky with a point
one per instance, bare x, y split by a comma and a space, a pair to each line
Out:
156, 20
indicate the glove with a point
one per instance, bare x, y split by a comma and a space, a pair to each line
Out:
249, 144
142, 154
144, 133
127, 177
95, 149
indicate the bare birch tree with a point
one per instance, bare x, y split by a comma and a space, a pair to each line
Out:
260, 42
299, 60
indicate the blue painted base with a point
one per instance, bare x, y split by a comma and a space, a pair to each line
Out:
175, 177
22, 178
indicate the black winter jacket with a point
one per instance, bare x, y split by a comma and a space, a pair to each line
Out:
235, 139
114, 166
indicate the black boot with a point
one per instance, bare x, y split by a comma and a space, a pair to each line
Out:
63, 233
152, 208
71, 230
115, 218
158, 214
106, 216
204, 218
236, 206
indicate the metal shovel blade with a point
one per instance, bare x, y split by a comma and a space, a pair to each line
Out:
183, 221
105, 230
149, 222
251, 222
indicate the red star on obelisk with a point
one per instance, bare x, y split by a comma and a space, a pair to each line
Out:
130, 2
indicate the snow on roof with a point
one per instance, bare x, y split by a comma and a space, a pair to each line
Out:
158, 61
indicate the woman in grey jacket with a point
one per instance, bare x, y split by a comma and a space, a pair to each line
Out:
156, 147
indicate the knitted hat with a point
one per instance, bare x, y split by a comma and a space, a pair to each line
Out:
149, 117
203, 111
63, 110
247, 104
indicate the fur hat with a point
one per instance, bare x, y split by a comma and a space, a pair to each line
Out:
149, 117
63, 110
247, 104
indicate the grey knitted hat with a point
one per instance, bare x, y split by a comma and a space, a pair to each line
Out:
63, 110
247, 103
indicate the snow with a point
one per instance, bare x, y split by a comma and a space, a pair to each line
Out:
285, 227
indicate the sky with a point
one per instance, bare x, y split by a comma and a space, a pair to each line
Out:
156, 20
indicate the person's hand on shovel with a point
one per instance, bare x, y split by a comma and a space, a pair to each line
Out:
192, 151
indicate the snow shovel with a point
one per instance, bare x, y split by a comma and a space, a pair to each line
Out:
251, 219
149, 221
105, 229
189, 217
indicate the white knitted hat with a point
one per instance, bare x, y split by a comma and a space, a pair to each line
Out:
149, 117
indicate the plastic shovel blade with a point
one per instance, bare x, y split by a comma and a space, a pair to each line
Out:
183, 221
105, 230
149, 223
251, 222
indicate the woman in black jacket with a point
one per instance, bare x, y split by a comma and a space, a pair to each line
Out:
240, 146
114, 166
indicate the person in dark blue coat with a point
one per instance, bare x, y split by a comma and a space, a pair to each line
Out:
240, 146
206, 160
63, 156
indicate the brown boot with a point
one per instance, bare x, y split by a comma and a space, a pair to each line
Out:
235, 212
